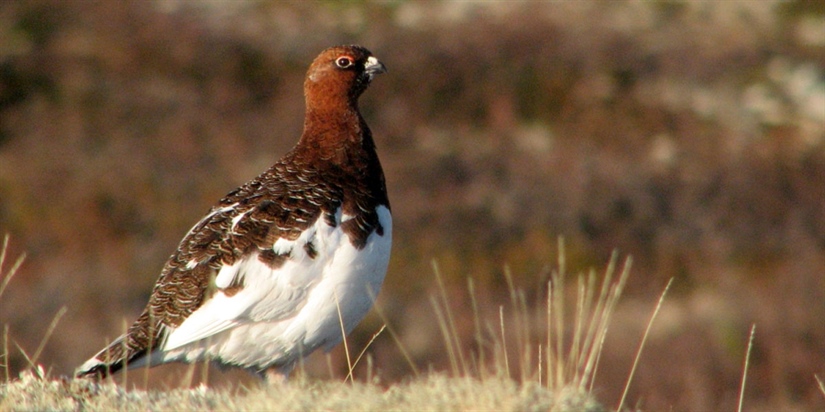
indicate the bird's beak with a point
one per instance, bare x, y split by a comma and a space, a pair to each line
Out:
373, 66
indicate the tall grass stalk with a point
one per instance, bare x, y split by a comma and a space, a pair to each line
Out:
369, 359
504, 342
447, 322
480, 359
642, 345
9, 274
6, 371
821, 385
400, 345
573, 361
745, 368
569, 355
344, 339
48, 334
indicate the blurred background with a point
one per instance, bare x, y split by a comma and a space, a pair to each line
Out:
689, 135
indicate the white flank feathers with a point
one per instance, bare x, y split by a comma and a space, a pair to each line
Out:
282, 313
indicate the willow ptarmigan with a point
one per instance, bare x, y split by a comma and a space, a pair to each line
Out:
261, 280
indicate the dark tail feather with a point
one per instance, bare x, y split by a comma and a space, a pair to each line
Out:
105, 363
124, 350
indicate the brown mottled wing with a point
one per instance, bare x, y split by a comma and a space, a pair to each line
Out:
280, 203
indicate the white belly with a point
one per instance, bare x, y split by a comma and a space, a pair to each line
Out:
285, 313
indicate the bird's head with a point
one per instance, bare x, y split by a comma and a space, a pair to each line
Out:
341, 72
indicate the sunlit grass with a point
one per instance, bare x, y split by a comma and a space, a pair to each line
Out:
7, 275
520, 359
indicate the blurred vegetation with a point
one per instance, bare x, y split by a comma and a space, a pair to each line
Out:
690, 135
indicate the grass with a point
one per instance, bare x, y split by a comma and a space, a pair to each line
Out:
436, 392
508, 367
745, 368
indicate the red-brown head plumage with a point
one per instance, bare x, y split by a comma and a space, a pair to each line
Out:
338, 76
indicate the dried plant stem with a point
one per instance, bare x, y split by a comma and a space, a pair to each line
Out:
125, 349
48, 334
821, 384
549, 352
745, 367
6, 352
344, 339
642, 345
14, 267
363, 351
397, 340
445, 333
452, 331
480, 360
503, 341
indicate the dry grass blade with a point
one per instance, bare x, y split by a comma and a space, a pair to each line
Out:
29, 360
7, 276
450, 322
188, 377
642, 345
14, 267
363, 351
549, 351
504, 341
556, 297
574, 356
124, 373
480, 359
6, 353
607, 290
445, 333
573, 361
584, 301
404, 352
49, 332
344, 339
821, 385
521, 327
601, 317
745, 368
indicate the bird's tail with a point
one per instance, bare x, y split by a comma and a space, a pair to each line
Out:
122, 352
106, 362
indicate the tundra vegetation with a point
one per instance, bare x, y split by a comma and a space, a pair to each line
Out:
689, 135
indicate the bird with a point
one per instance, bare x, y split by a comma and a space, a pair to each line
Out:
285, 264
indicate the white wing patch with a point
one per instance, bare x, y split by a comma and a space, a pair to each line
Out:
283, 246
227, 274
268, 294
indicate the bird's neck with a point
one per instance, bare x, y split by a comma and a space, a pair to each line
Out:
335, 132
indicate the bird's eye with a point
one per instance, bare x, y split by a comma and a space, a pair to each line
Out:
343, 62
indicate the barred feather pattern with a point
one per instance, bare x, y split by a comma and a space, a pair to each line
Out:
333, 170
